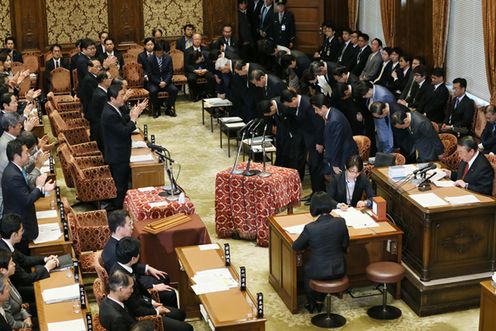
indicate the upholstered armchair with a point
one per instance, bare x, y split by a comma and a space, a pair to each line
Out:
363, 144
78, 142
492, 160
450, 157
92, 179
133, 72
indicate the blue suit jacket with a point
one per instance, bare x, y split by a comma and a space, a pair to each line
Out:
384, 133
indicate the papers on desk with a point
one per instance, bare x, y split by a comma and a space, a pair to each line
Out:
437, 175
73, 325
138, 144
158, 204
462, 199
295, 229
60, 294
218, 102
141, 158
146, 189
48, 232
427, 200
444, 183
213, 280
46, 214
355, 218
208, 247
401, 171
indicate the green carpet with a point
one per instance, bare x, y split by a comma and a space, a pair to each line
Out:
197, 150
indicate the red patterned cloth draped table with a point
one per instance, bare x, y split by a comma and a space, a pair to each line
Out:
137, 202
244, 203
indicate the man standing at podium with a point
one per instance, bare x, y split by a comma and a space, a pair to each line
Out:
474, 172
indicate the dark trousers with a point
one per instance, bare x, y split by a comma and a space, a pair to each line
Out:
120, 173
174, 320
314, 162
199, 90
171, 89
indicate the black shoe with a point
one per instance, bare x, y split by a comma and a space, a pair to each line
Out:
170, 112
310, 307
156, 114
307, 197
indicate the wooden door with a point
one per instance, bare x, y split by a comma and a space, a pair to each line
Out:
29, 24
126, 21
309, 15
217, 13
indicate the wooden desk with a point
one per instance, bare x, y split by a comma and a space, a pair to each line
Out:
144, 174
55, 312
56, 247
366, 246
487, 319
441, 244
228, 310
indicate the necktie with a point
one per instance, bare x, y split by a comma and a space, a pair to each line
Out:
457, 102
25, 175
264, 13
57, 64
188, 43
342, 53
159, 60
380, 74
494, 128
465, 171
228, 42
358, 56
280, 17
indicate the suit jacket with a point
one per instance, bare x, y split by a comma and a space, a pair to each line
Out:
140, 302
87, 87
328, 239
337, 189
283, 32
273, 88
349, 56
4, 326
100, 49
384, 75
189, 60
156, 74
435, 105
361, 60
424, 138
488, 137
420, 96
115, 318
117, 54
330, 50
253, 12
407, 85
109, 259
181, 44
338, 141
245, 32
116, 134
265, 24
479, 176
19, 198
143, 60
82, 68
23, 274
463, 115
13, 309
50, 65
372, 67
98, 102
4, 161
397, 86
233, 44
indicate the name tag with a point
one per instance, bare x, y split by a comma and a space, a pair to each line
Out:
283, 27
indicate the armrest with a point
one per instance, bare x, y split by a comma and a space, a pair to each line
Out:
89, 161
97, 173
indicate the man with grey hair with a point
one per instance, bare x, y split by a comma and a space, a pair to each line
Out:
4, 296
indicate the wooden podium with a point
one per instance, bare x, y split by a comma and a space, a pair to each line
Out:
448, 250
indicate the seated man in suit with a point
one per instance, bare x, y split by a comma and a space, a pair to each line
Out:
11, 230
460, 117
18, 197
488, 136
112, 314
422, 138
140, 302
113, 55
15, 55
438, 98
16, 311
475, 173
195, 67
121, 226
57, 61
159, 76
348, 188
186, 41
4, 296
421, 90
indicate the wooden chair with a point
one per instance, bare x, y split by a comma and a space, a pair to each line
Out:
134, 51
157, 322
479, 122
363, 144
60, 79
492, 160
178, 77
32, 62
133, 73
129, 58
74, 81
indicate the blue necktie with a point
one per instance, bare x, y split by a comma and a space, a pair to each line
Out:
264, 13
25, 175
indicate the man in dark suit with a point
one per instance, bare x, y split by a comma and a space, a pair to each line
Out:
331, 47
245, 33
121, 226
114, 56
411, 85
373, 65
420, 91
327, 241
402, 76
160, 79
475, 173
349, 50
270, 86
117, 129
4, 296
343, 76
28, 268
143, 57
186, 41
422, 138
244, 92
18, 197
437, 99
140, 302
488, 136
230, 43
75, 57
384, 76
283, 30
88, 86
266, 19
195, 66
254, 10
113, 314
98, 102
88, 51
157, 34
57, 61
100, 48
338, 138
15, 55
362, 55
460, 117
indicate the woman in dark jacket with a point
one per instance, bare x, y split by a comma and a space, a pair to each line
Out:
327, 238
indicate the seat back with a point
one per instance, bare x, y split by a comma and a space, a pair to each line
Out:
100, 271
32, 62
129, 58
92, 230
60, 81
133, 73
99, 291
363, 143
65, 158
74, 81
449, 142
479, 122
492, 160
74, 136
134, 51
177, 61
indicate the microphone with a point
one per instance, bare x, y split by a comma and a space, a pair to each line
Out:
428, 167
156, 147
255, 126
249, 124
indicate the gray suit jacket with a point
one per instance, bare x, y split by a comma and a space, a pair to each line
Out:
14, 312
372, 67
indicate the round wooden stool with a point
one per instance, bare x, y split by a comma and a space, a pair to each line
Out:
328, 319
385, 273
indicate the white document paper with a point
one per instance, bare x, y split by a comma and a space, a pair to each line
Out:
46, 214
138, 144
208, 247
216, 102
220, 276
230, 119
146, 189
428, 200
73, 325
45, 169
355, 218
462, 199
444, 183
48, 232
438, 175
295, 229
60, 294
209, 288
141, 158
158, 204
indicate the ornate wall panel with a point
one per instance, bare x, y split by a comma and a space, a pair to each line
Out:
171, 15
70, 20
5, 27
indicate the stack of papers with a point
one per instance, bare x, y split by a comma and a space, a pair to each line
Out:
356, 219
141, 158
48, 232
146, 189
213, 280
138, 144
462, 199
428, 200
73, 325
46, 214
217, 102
158, 204
60, 294
444, 183
208, 247
295, 229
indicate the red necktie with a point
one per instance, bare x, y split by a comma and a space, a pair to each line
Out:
465, 171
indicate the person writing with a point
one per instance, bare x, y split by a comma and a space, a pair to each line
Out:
327, 239
349, 186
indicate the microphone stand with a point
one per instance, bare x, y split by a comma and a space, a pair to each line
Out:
264, 173
169, 193
235, 171
247, 171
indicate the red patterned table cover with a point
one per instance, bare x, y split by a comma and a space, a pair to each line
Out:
244, 203
136, 203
